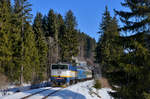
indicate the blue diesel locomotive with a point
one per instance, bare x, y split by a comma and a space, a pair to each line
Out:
68, 74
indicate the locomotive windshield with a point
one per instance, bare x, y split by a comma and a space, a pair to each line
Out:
59, 66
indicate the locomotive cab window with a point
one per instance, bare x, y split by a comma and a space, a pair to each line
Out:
59, 66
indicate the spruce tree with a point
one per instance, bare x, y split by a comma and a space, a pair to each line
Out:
16, 46
31, 61
61, 31
101, 45
133, 72
29, 56
41, 45
106, 50
53, 33
52, 25
45, 25
11, 40
63, 43
71, 36
5, 37
109, 49
60, 24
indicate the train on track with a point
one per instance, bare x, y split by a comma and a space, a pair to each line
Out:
66, 74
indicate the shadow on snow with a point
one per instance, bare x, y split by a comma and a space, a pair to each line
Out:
68, 94
62, 94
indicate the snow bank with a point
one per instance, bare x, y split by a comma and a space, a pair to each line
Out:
11, 89
82, 90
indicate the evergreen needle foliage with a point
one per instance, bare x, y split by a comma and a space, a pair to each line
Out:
42, 47
125, 59
28, 50
135, 65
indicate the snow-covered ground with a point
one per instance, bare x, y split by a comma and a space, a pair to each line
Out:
12, 89
82, 90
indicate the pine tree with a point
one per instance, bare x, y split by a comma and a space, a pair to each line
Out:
53, 32
105, 50
52, 25
16, 47
63, 43
45, 25
31, 60
101, 45
29, 56
60, 24
109, 50
71, 36
5, 37
61, 31
40, 44
133, 72
70, 21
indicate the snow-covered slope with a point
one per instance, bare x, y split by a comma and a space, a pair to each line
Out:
82, 90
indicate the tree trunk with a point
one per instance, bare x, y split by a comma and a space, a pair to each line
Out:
21, 76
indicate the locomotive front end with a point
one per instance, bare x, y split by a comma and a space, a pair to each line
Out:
63, 74
59, 73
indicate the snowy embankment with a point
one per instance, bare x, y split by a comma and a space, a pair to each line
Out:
82, 90
11, 89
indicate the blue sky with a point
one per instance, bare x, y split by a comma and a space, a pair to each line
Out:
88, 12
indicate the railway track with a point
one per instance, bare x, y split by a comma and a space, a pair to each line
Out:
52, 93
46, 96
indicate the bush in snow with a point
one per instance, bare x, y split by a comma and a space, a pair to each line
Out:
97, 84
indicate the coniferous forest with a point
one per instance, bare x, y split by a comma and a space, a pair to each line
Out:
27, 49
29, 45
123, 52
